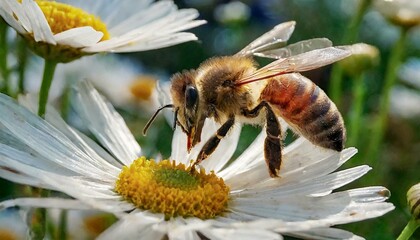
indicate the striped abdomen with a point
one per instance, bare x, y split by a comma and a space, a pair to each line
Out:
307, 109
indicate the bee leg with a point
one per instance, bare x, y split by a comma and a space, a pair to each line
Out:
213, 142
272, 143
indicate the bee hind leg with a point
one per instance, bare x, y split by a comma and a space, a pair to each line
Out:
213, 142
272, 143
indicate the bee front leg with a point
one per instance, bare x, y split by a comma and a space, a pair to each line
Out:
272, 143
213, 142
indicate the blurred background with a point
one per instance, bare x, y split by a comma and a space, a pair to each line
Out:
365, 97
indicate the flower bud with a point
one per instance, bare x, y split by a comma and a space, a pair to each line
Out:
364, 57
405, 13
413, 198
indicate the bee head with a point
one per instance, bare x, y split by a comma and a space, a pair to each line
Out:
186, 104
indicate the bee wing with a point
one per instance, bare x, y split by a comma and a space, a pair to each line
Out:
296, 48
299, 63
273, 39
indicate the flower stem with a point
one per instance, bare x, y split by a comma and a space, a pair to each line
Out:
357, 111
411, 227
3, 56
62, 228
336, 84
335, 90
379, 126
47, 78
39, 219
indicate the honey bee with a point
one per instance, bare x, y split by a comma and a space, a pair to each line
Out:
232, 88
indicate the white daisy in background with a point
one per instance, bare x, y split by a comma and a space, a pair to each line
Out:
405, 101
158, 198
410, 72
13, 225
125, 83
81, 224
68, 29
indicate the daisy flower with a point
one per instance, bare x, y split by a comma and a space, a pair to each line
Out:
155, 198
62, 31
68, 29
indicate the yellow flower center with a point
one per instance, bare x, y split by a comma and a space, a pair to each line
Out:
171, 189
142, 87
62, 17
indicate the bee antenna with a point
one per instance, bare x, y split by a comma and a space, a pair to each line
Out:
175, 118
154, 116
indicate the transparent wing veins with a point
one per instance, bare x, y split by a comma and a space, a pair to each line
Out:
298, 63
275, 38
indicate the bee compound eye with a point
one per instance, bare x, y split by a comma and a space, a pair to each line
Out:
191, 96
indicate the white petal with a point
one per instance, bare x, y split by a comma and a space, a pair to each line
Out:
19, 178
41, 29
250, 234
88, 196
79, 37
247, 160
223, 153
353, 213
14, 159
44, 203
369, 194
46, 140
131, 227
107, 125
98, 195
156, 43
171, 23
312, 186
296, 207
179, 142
179, 147
188, 235
7, 11
326, 233
107, 11
100, 157
301, 160
142, 17
179, 229
14, 8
